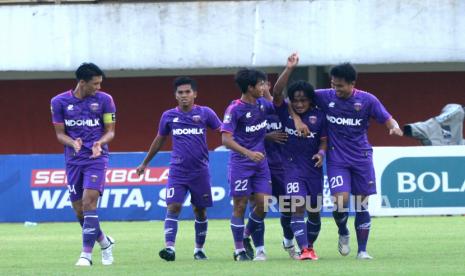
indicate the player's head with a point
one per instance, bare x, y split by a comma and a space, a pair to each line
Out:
343, 77
251, 81
301, 94
185, 90
89, 77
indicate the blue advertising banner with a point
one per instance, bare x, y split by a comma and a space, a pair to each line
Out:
33, 188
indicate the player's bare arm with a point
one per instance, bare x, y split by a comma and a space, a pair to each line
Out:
320, 156
155, 147
278, 89
393, 127
228, 141
301, 128
106, 138
65, 139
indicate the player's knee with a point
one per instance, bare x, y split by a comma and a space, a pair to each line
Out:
200, 213
174, 208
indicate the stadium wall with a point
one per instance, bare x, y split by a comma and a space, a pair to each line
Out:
27, 128
219, 34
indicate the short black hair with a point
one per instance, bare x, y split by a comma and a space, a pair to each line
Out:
301, 85
87, 71
184, 80
345, 71
248, 76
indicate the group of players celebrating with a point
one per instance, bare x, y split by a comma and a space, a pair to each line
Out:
277, 145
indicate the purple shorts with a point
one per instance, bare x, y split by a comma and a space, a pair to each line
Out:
278, 187
305, 186
355, 179
245, 180
196, 183
88, 176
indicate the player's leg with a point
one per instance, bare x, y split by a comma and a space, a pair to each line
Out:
363, 185
261, 187
256, 236
201, 198
238, 227
314, 205
75, 187
240, 191
279, 191
103, 240
297, 191
201, 228
176, 190
340, 186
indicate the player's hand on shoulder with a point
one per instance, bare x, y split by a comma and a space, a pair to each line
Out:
396, 131
141, 169
96, 150
319, 160
77, 144
255, 156
277, 137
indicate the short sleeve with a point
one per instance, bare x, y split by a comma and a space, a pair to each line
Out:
57, 111
378, 111
109, 110
320, 95
229, 120
164, 128
213, 121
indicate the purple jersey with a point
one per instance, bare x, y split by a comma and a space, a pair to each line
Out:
348, 121
189, 134
273, 149
247, 123
85, 119
298, 151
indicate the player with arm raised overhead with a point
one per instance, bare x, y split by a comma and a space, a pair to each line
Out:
349, 159
189, 171
84, 120
243, 131
302, 158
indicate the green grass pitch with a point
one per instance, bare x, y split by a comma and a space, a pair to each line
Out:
407, 245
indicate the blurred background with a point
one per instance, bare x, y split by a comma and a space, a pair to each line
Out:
408, 53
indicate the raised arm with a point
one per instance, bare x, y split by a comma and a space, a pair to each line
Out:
155, 147
278, 89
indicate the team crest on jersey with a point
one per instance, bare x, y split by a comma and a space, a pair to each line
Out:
93, 106
358, 106
196, 118
312, 119
227, 118
93, 178
262, 107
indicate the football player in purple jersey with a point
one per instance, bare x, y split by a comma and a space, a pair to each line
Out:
350, 156
84, 120
302, 159
243, 131
187, 123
